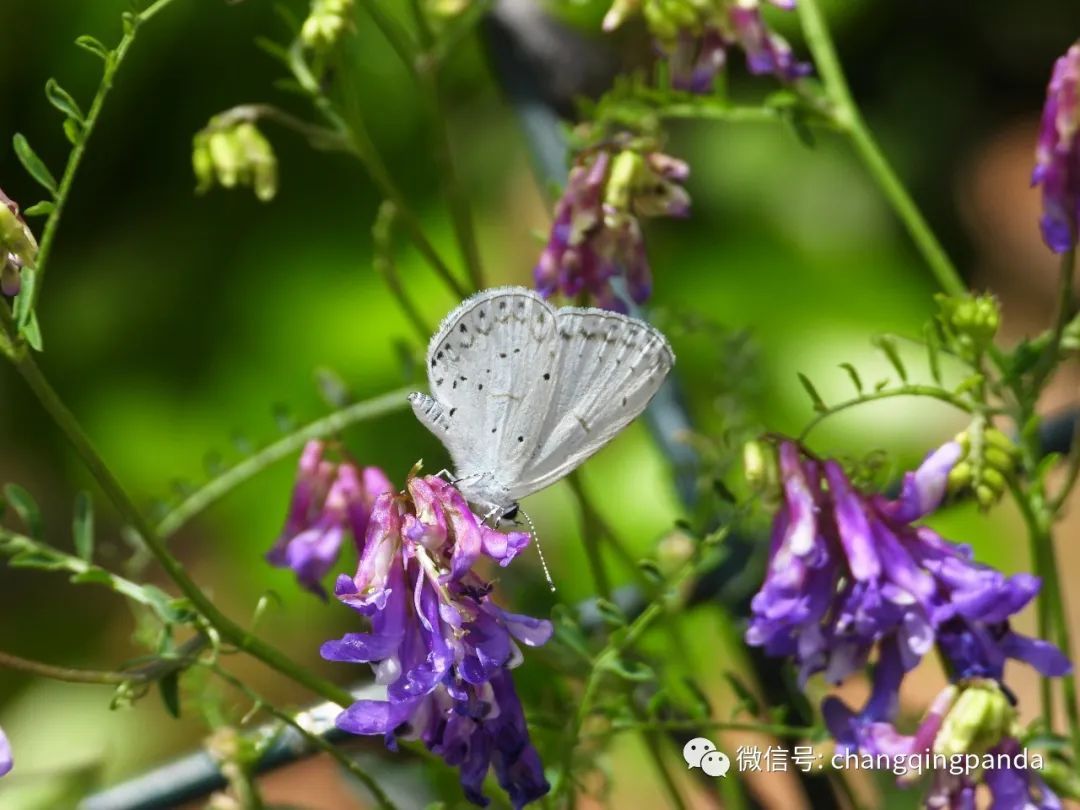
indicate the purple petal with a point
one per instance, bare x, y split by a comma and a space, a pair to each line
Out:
7, 761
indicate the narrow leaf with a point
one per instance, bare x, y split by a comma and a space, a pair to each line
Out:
41, 209
33, 164
747, 699
83, 526
933, 353
26, 508
855, 379
21, 310
94, 46
73, 130
887, 346
815, 397
169, 687
32, 332
63, 101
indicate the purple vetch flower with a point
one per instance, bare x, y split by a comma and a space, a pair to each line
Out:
6, 759
695, 38
18, 248
596, 234
850, 575
329, 500
1057, 155
436, 640
766, 51
970, 717
1014, 787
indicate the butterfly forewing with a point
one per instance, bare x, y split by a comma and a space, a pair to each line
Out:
610, 366
491, 367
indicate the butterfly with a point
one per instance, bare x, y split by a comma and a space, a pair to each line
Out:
522, 393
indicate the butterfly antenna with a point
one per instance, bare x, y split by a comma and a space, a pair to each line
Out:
536, 542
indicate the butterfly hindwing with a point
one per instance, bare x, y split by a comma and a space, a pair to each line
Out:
610, 367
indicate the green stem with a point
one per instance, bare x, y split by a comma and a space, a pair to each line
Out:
229, 630
1048, 362
906, 390
424, 68
112, 65
214, 490
590, 536
795, 732
68, 674
363, 147
158, 667
382, 237
652, 745
314, 739
849, 118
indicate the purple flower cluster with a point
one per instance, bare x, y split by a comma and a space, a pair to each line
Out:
850, 576
1057, 156
696, 37
596, 235
329, 499
437, 641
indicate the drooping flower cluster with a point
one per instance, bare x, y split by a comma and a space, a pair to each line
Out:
850, 575
1057, 156
972, 726
230, 151
18, 248
696, 36
329, 501
596, 235
438, 642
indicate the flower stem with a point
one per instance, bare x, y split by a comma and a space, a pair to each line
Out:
850, 119
71, 169
214, 490
591, 529
68, 674
363, 147
346, 762
229, 630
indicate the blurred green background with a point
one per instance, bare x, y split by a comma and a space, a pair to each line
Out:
173, 322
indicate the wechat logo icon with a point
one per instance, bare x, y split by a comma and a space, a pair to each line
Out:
702, 753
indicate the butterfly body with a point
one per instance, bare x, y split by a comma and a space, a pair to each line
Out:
522, 392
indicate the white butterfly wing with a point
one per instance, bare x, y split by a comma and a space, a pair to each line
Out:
609, 367
492, 371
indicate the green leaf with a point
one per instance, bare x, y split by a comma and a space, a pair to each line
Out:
63, 101
747, 700
94, 576
33, 164
637, 671
169, 688
610, 613
855, 379
82, 527
933, 353
73, 130
888, 346
815, 397
26, 508
32, 332
94, 46
41, 209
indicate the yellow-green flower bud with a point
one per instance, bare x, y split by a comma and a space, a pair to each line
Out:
231, 151
759, 463
18, 248
326, 23
977, 720
972, 321
1062, 779
625, 170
